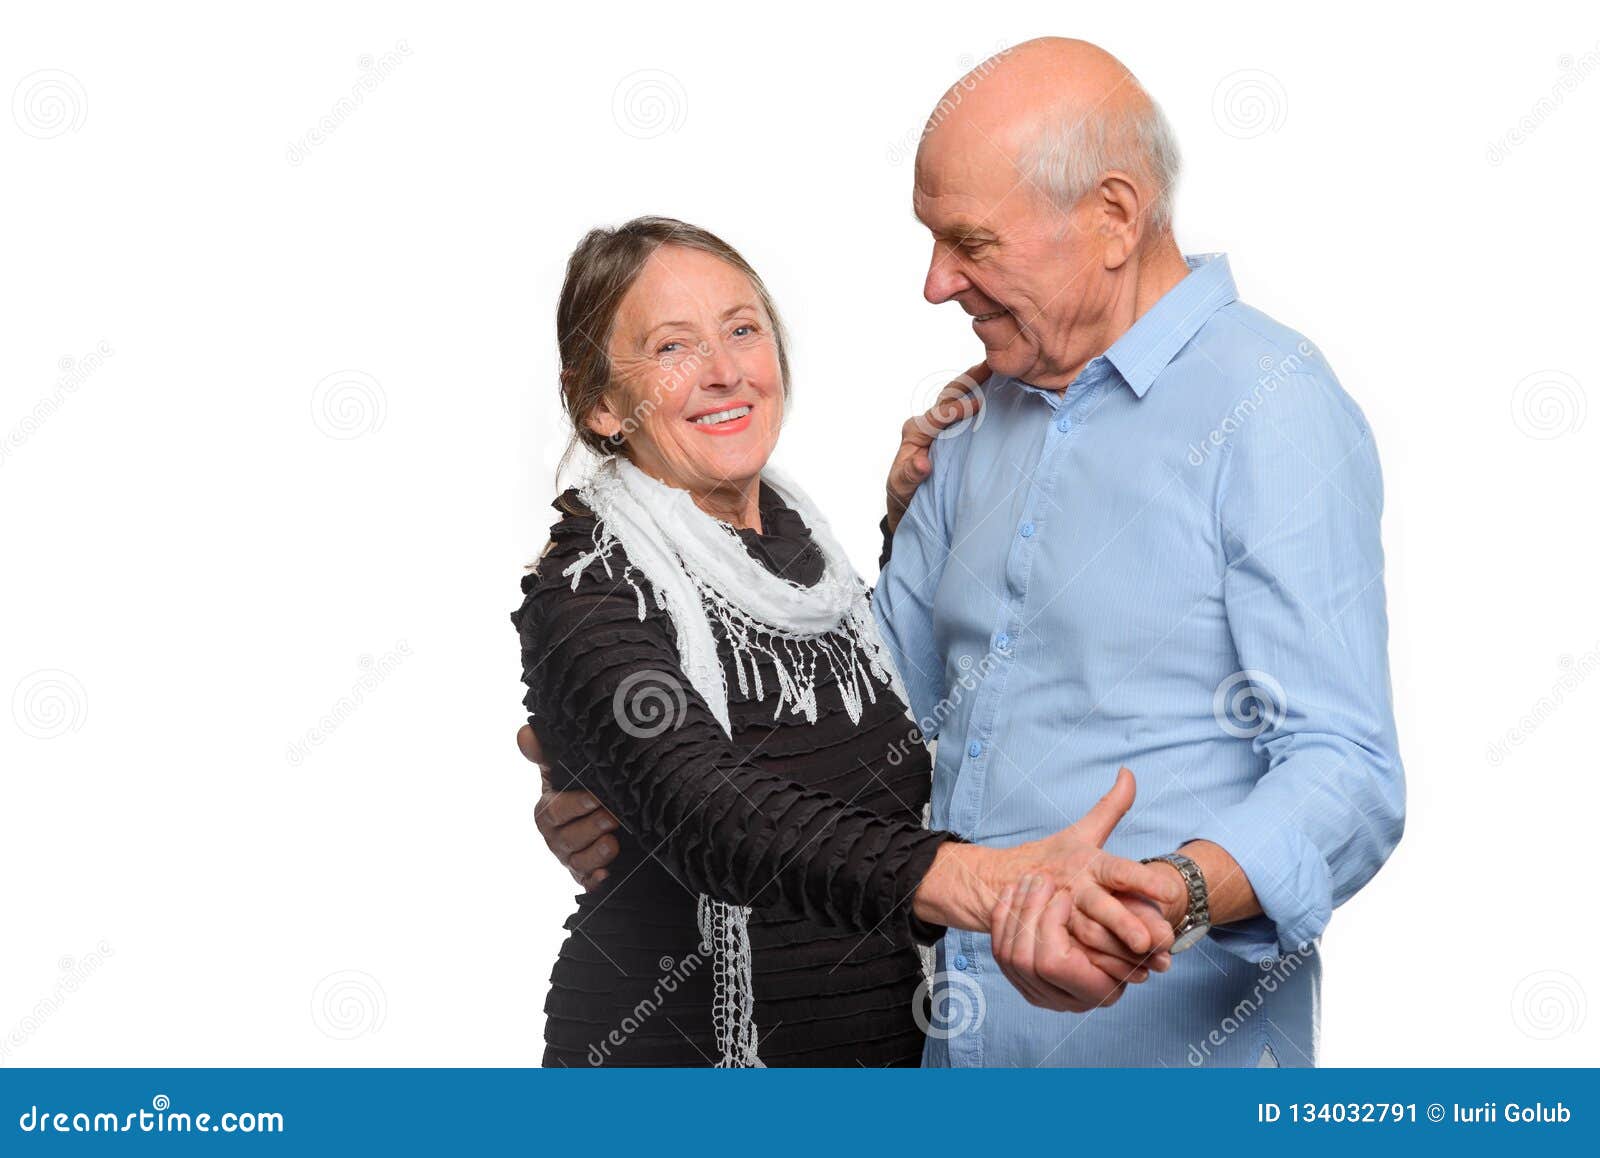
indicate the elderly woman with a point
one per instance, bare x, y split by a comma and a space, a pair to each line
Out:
701, 659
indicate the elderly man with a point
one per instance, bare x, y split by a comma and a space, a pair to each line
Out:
1160, 548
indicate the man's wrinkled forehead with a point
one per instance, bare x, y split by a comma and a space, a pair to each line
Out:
947, 222
961, 182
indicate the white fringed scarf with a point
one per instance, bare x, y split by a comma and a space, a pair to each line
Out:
699, 571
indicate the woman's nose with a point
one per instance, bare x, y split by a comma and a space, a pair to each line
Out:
721, 369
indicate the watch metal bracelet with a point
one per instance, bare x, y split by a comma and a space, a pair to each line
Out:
1196, 922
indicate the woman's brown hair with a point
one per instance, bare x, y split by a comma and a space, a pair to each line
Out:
599, 274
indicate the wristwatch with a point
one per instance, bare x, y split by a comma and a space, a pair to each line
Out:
1196, 923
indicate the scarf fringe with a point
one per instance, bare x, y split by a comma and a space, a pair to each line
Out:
848, 652
851, 651
726, 929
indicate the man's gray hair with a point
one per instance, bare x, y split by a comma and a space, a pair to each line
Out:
1068, 156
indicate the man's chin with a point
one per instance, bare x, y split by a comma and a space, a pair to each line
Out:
1007, 361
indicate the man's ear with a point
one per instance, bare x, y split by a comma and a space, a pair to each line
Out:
1121, 218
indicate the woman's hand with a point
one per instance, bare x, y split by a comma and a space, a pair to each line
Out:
960, 400
574, 826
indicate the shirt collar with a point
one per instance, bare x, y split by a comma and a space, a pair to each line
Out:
1166, 327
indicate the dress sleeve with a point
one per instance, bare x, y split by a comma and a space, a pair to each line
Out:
615, 710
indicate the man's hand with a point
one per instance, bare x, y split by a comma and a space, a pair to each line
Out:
1112, 954
957, 402
573, 824
1031, 945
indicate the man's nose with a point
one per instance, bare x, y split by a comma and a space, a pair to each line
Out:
945, 279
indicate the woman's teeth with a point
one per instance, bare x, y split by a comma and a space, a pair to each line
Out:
721, 416
988, 317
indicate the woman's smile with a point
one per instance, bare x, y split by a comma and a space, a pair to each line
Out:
727, 420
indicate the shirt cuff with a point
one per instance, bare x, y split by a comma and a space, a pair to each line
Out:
1290, 879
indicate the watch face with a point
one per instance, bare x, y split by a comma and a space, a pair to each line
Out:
1189, 938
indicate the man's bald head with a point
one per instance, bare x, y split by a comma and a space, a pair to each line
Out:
1045, 176
1061, 112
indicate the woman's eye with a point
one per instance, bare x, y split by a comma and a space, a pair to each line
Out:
743, 329
668, 347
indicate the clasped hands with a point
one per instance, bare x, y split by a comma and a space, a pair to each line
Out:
1070, 925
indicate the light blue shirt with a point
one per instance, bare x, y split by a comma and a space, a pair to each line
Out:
1175, 565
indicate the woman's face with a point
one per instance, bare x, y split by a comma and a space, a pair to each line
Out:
699, 397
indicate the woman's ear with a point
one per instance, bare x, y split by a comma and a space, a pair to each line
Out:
603, 421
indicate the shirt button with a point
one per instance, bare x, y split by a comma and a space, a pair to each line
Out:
1002, 642
975, 749
1027, 530
1063, 423
961, 961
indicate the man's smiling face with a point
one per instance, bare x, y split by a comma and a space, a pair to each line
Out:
1024, 269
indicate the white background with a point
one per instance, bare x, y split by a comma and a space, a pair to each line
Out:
202, 548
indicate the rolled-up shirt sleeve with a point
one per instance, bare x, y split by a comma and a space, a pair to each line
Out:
1299, 504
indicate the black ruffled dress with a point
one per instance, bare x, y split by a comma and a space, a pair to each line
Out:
817, 826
